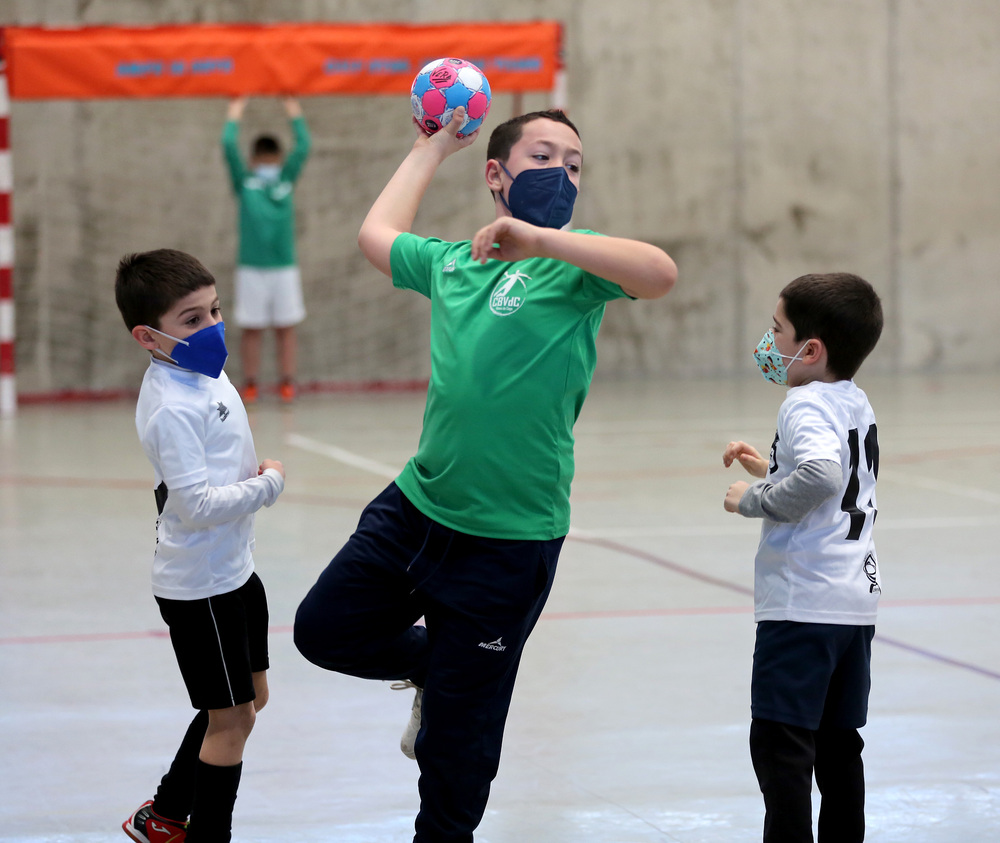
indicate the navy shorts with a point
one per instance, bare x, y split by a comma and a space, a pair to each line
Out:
220, 642
807, 674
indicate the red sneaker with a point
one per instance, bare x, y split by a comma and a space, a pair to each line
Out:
249, 393
287, 392
146, 827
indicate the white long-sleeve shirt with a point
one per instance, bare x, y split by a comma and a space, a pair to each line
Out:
195, 432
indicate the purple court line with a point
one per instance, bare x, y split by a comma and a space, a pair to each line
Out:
683, 570
739, 589
927, 654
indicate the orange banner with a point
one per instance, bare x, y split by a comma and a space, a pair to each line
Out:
296, 59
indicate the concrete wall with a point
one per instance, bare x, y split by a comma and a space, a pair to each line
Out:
754, 139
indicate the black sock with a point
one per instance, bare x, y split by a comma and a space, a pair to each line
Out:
212, 814
175, 795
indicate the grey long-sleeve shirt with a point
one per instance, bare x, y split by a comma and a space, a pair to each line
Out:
791, 499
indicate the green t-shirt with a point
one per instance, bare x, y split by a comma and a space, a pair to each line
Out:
513, 350
266, 208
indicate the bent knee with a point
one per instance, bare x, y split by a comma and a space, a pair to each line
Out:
261, 699
246, 718
319, 641
238, 720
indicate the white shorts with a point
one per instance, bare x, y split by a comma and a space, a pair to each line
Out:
267, 298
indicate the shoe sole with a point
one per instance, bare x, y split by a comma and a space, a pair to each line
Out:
133, 832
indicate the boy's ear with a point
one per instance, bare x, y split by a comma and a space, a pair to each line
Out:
814, 352
142, 335
494, 175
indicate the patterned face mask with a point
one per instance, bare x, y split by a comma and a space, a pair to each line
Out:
771, 362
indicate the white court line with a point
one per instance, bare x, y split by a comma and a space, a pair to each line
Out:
970, 492
340, 455
738, 529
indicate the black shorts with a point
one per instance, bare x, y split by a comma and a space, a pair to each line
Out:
220, 642
805, 674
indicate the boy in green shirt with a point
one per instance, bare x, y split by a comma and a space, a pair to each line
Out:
468, 535
268, 282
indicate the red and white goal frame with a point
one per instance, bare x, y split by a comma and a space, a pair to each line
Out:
228, 60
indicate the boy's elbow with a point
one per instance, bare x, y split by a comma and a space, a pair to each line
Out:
376, 246
366, 242
659, 280
192, 518
666, 277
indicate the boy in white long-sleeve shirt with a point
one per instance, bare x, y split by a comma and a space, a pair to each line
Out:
208, 485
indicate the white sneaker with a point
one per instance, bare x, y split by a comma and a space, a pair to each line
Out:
409, 737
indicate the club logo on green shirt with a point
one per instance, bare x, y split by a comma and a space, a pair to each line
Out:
507, 297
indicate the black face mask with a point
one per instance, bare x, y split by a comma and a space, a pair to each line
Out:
542, 196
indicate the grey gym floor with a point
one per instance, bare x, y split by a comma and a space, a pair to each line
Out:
630, 717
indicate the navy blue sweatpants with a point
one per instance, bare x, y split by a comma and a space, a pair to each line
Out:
479, 597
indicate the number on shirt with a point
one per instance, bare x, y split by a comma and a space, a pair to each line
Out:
850, 502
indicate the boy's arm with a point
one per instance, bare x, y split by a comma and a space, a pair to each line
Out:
303, 140
201, 505
747, 456
231, 144
174, 440
396, 207
642, 270
792, 499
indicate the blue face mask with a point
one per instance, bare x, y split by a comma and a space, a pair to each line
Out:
203, 351
542, 196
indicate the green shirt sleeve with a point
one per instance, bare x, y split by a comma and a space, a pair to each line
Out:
231, 151
300, 150
410, 260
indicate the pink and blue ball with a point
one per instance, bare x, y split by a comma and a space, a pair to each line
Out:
443, 85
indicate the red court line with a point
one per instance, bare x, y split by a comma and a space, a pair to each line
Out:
938, 601
603, 614
97, 396
98, 637
943, 454
75, 482
85, 638
131, 485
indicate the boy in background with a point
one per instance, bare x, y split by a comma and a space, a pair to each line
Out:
208, 485
816, 582
268, 285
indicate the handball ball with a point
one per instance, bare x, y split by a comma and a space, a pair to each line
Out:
442, 86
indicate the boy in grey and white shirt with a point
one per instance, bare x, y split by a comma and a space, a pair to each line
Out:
816, 583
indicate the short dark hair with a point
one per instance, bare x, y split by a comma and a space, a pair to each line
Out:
148, 284
842, 310
509, 132
266, 145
